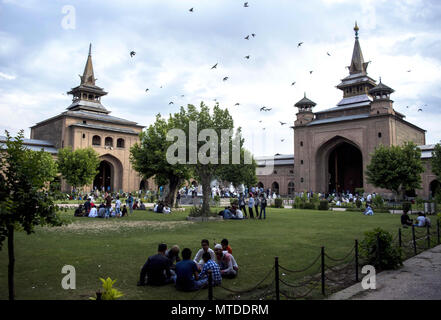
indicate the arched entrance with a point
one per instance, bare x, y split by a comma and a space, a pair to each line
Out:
434, 187
104, 176
110, 174
339, 166
275, 187
345, 168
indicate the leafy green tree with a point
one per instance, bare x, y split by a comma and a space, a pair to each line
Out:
24, 200
78, 167
396, 168
436, 161
201, 145
148, 157
241, 173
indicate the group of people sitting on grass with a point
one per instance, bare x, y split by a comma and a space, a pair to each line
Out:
161, 207
239, 211
189, 275
421, 221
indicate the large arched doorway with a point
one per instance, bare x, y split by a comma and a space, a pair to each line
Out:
434, 187
104, 178
275, 187
345, 168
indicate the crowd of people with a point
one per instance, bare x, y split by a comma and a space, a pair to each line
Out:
252, 203
109, 207
188, 274
421, 221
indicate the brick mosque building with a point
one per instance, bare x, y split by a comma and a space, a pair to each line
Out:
87, 123
333, 147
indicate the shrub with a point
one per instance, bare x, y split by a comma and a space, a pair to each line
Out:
389, 257
309, 206
360, 191
324, 205
234, 201
358, 203
297, 203
109, 293
406, 206
278, 203
378, 201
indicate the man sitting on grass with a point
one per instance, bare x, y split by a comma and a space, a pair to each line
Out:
405, 220
209, 264
156, 270
421, 219
225, 260
186, 273
205, 248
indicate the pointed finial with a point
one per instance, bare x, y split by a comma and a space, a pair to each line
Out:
356, 28
380, 79
304, 94
90, 49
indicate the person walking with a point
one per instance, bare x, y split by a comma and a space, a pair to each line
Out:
250, 206
129, 202
263, 203
242, 206
256, 204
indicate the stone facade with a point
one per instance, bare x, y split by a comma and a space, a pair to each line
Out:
87, 123
333, 147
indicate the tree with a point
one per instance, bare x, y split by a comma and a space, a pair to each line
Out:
148, 157
239, 173
24, 202
396, 168
78, 167
436, 161
205, 143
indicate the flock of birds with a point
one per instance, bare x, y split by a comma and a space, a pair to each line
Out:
264, 108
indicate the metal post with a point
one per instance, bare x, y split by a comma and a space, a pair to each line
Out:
323, 270
378, 253
210, 285
413, 240
437, 230
428, 236
276, 270
399, 237
356, 260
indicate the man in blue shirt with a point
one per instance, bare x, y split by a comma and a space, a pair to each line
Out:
186, 273
209, 264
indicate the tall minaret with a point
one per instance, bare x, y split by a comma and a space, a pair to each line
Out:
305, 114
87, 96
358, 82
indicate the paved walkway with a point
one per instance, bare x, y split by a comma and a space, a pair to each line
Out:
418, 279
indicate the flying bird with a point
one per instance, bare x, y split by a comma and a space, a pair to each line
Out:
263, 108
146, 89
260, 121
132, 53
247, 57
253, 35
407, 107
182, 96
263, 128
191, 10
409, 70
247, 37
310, 72
171, 102
293, 83
420, 109
269, 109
299, 44
214, 67
282, 140
282, 123
237, 104
245, 4
328, 53
225, 79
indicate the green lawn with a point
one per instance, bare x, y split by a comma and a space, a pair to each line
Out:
119, 247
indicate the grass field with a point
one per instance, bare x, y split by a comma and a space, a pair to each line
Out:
118, 248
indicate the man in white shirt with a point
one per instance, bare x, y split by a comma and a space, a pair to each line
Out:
205, 248
421, 219
93, 212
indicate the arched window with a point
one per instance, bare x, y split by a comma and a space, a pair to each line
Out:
120, 143
96, 140
290, 188
108, 142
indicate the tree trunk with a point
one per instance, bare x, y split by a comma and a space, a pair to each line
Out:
205, 194
171, 196
11, 262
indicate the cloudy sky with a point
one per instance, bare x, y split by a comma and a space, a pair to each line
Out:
44, 45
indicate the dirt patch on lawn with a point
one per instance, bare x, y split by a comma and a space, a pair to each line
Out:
99, 226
